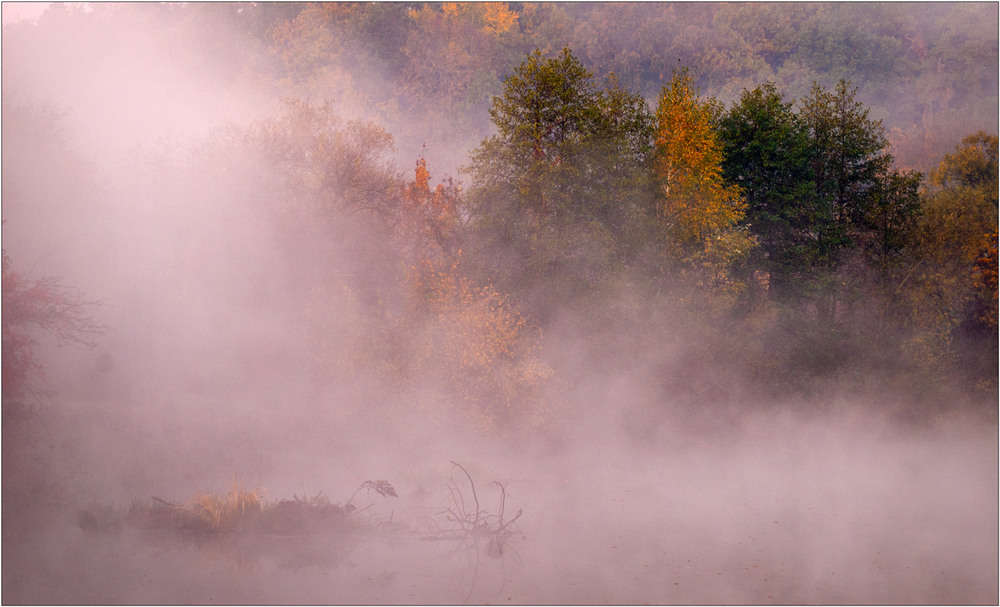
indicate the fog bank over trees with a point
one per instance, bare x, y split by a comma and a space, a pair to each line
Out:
709, 290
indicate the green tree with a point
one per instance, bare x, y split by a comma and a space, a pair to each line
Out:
767, 152
850, 150
887, 244
848, 164
835, 222
555, 196
547, 109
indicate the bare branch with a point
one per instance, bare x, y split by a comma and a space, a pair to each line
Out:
47, 304
471, 484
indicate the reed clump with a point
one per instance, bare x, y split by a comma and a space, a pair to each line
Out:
234, 510
226, 512
242, 510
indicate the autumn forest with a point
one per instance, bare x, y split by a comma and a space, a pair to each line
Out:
285, 223
816, 197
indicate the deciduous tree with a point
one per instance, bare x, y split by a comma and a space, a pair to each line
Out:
700, 209
952, 286
430, 218
39, 304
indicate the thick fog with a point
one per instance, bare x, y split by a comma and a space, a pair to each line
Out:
232, 335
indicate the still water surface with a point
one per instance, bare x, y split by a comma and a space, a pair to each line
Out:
879, 520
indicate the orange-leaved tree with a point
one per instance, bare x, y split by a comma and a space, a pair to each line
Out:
699, 209
429, 223
468, 342
477, 350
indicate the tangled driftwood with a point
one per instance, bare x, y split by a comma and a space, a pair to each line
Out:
468, 521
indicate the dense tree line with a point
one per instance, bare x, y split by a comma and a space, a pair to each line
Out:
762, 227
789, 216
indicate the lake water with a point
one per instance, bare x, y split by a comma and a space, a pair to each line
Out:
809, 517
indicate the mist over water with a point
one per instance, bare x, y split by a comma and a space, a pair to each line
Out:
779, 511
215, 369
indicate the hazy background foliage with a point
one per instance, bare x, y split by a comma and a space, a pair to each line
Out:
384, 232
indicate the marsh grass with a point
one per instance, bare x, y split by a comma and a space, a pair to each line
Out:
238, 511
297, 532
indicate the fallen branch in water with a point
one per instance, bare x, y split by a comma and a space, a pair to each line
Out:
474, 522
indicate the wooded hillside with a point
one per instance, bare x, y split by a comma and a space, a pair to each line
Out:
491, 205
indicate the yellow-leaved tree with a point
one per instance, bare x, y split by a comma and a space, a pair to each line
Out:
700, 211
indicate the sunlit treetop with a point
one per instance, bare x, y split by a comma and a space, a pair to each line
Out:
498, 17
696, 201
